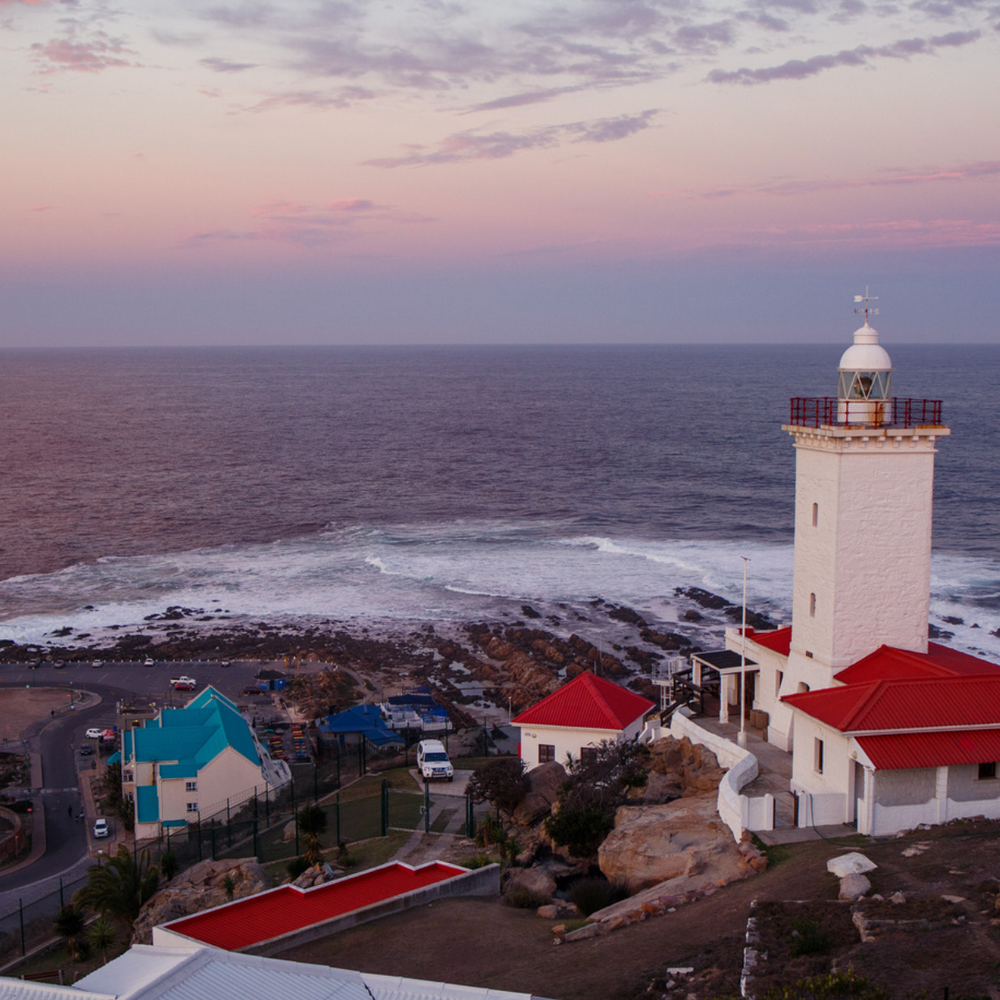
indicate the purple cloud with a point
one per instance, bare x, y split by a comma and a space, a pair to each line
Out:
225, 65
94, 55
800, 69
467, 146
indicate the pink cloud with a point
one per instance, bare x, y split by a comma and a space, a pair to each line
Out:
40, 208
99, 53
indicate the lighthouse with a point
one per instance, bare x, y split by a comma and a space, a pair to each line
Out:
864, 485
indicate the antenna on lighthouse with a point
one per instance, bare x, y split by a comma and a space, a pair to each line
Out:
868, 309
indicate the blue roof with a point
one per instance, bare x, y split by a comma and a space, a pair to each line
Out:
184, 740
359, 719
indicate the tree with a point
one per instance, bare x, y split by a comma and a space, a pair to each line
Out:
101, 935
502, 782
69, 924
121, 886
312, 822
598, 783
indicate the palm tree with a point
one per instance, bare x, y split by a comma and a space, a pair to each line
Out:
69, 924
121, 886
312, 822
101, 935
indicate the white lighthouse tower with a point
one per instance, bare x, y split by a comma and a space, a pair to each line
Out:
864, 480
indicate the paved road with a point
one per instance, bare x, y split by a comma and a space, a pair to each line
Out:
58, 741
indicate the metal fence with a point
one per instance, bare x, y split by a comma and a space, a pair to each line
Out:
266, 827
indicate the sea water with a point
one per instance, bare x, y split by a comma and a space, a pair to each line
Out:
379, 485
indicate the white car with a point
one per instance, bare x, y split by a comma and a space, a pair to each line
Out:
432, 760
100, 828
149, 662
94, 733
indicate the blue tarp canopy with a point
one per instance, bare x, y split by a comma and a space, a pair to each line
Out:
366, 720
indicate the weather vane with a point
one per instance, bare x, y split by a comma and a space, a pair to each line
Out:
868, 309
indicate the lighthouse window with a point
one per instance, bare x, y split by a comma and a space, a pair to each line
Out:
818, 752
815, 515
812, 605
988, 770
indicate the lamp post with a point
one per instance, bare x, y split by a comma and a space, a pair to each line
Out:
742, 737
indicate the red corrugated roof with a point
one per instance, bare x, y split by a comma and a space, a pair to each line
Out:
923, 703
906, 750
778, 640
269, 914
587, 702
888, 662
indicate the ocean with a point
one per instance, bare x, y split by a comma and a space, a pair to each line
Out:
383, 486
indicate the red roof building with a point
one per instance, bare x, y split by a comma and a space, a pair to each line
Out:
572, 721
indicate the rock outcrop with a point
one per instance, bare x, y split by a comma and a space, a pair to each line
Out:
651, 844
199, 888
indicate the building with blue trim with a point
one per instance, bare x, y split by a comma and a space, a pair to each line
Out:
188, 764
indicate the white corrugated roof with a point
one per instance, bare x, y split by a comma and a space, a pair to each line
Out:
158, 972
18, 989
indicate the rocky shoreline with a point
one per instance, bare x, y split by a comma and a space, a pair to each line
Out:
510, 664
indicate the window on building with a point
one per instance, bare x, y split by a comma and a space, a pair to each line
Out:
815, 515
546, 752
190, 786
779, 676
988, 770
127, 776
588, 755
812, 605
818, 756
192, 807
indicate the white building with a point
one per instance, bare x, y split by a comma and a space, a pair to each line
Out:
190, 763
886, 729
572, 721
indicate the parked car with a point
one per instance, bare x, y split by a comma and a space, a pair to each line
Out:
432, 760
251, 690
183, 683
86, 749
97, 663
94, 733
101, 828
149, 662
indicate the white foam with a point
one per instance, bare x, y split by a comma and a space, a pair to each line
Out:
454, 572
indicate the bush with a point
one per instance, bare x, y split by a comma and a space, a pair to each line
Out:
477, 861
594, 893
579, 830
810, 939
296, 867
524, 898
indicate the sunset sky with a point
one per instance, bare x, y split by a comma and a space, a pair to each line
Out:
432, 172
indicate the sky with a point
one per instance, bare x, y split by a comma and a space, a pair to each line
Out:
338, 171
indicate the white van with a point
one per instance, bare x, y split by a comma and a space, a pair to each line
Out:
432, 760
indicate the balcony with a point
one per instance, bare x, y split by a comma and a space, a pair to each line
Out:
828, 411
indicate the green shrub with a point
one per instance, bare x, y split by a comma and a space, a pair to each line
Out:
832, 986
477, 861
594, 893
810, 938
524, 898
296, 867
579, 830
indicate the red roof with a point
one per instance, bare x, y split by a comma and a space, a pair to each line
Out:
939, 661
587, 702
778, 640
270, 914
901, 698
925, 703
905, 750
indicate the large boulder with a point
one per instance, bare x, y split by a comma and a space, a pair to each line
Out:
544, 783
650, 844
199, 888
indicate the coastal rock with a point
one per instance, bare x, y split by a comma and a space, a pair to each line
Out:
544, 783
651, 844
197, 889
536, 880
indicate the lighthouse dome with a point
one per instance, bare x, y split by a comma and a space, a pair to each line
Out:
866, 354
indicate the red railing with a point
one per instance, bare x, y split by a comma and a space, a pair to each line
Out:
830, 411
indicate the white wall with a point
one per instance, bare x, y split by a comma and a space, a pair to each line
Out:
867, 557
824, 796
566, 741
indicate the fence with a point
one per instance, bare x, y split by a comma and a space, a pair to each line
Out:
266, 827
